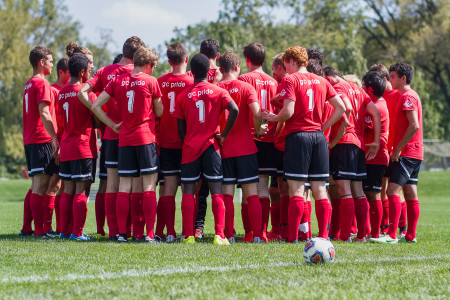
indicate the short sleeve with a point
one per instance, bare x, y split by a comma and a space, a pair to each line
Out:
410, 103
156, 92
367, 99
251, 94
178, 113
109, 89
43, 92
287, 90
331, 92
225, 98
95, 81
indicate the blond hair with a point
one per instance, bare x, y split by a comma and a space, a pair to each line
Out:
144, 56
354, 79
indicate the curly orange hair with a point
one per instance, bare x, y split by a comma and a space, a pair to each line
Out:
298, 54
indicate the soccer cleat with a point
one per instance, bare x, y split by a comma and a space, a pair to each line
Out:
63, 236
82, 237
384, 240
101, 236
113, 238
121, 238
232, 240
149, 240
52, 232
248, 237
218, 240
404, 240
157, 239
23, 233
402, 234
356, 240
198, 234
189, 240
170, 239
349, 240
352, 234
182, 237
257, 240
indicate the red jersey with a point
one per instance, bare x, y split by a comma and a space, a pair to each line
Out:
391, 98
171, 86
266, 89
98, 83
409, 100
79, 140
326, 114
382, 157
58, 117
239, 141
200, 105
134, 94
37, 90
211, 75
309, 92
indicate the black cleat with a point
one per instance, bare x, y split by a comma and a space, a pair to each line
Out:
23, 233
122, 238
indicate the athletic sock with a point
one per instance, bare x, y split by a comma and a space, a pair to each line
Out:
395, 209
122, 210
354, 226
376, 211
255, 215
49, 206
402, 220
187, 211
57, 212
79, 209
275, 209
347, 213
413, 218
160, 216
361, 211
65, 213
100, 213
129, 219
169, 215
284, 216
27, 214
218, 208
229, 215
296, 208
149, 206
37, 210
335, 224
322, 210
265, 213
196, 202
309, 212
368, 221
245, 218
385, 218
137, 214
110, 210
304, 222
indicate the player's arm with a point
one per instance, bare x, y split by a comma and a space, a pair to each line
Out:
47, 121
181, 124
83, 95
413, 127
102, 99
285, 113
372, 110
218, 77
338, 111
276, 102
233, 114
257, 120
339, 133
158, 107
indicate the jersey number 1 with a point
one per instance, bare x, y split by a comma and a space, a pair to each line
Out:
310, 94
263, 99
66, 108
201, 110
26, 102
171, 96
130, 96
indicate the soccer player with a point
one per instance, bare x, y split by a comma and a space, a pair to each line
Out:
78, 150
406, 156
110, 139
306, 152
347, 157
240, 164
266, 89
374, 85
198, 109
171, 85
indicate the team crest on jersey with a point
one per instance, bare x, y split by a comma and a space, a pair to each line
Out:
407, 104
283, 92
368, 119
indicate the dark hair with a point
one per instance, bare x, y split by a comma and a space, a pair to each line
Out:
315, 67
77, 63
382, 69
255, 53
62, 65
210, 48
376, 81
118, 58
228, 61
403, 69
176, 53
131, 45
38, 53
72, 48
278, 60
315, 54
199, 66
329, 71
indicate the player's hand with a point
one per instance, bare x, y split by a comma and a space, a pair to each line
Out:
269, 116
220, 138
373, 150
263, 129
116, 127
55, 148
395, 155
331, 145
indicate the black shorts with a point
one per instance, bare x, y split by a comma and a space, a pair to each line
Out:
135, 161
279, 157
348, 162
388, 171
405, 171
111, 153
78, 169
240, 169
266, 161
40, 159
102, 174
374, 179
170, 161
209, 163
273, 181
306, 156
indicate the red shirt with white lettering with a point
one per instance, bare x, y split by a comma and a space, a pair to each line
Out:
79, 139
171, 86
326, 114
134, 94
239, 141
391, 98
98, 83
309, 92
211, 75
382, 157
408, 101
58, 117
37, 90
200, 105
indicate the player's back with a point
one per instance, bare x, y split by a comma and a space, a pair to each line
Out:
211, 75
391, 98
58, 117
382, 156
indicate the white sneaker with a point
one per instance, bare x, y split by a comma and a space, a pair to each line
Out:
170, 239
257, 240
232, 240
401, 235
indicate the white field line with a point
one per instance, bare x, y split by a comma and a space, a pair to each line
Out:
200, 269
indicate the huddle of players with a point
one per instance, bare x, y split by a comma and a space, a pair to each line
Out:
211, 127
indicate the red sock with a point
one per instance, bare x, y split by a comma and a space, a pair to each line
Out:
65, 213
255, 215
304, 222
149, 206
100, 213
57, 212
361, 211
245, 218
354, 228
347, 213
284, 216
79, 213
187, 212
322, 210
309, 212
160, 214
385, 218
27, 215
229, 215
275, 217
376, 211
330, 211
402, 220
265, 210
169, 215
137, 214
129, 219
395, 209
218, 208
335, 223
122, 210
296, 209
49, 205
110, 210
413, 218
38, 211
195, 207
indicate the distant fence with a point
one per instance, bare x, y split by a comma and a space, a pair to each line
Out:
436, 155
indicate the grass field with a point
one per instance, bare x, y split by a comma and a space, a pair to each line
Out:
31, 268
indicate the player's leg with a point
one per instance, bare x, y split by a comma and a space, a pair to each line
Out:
361, 209
402, 225
66, 204
201, 207
112, 185
385, 203
372, 186
284, 207
100, 213
136, 208
275, 209
49, 204
228, 187
412, 200
335, 224
27, 214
